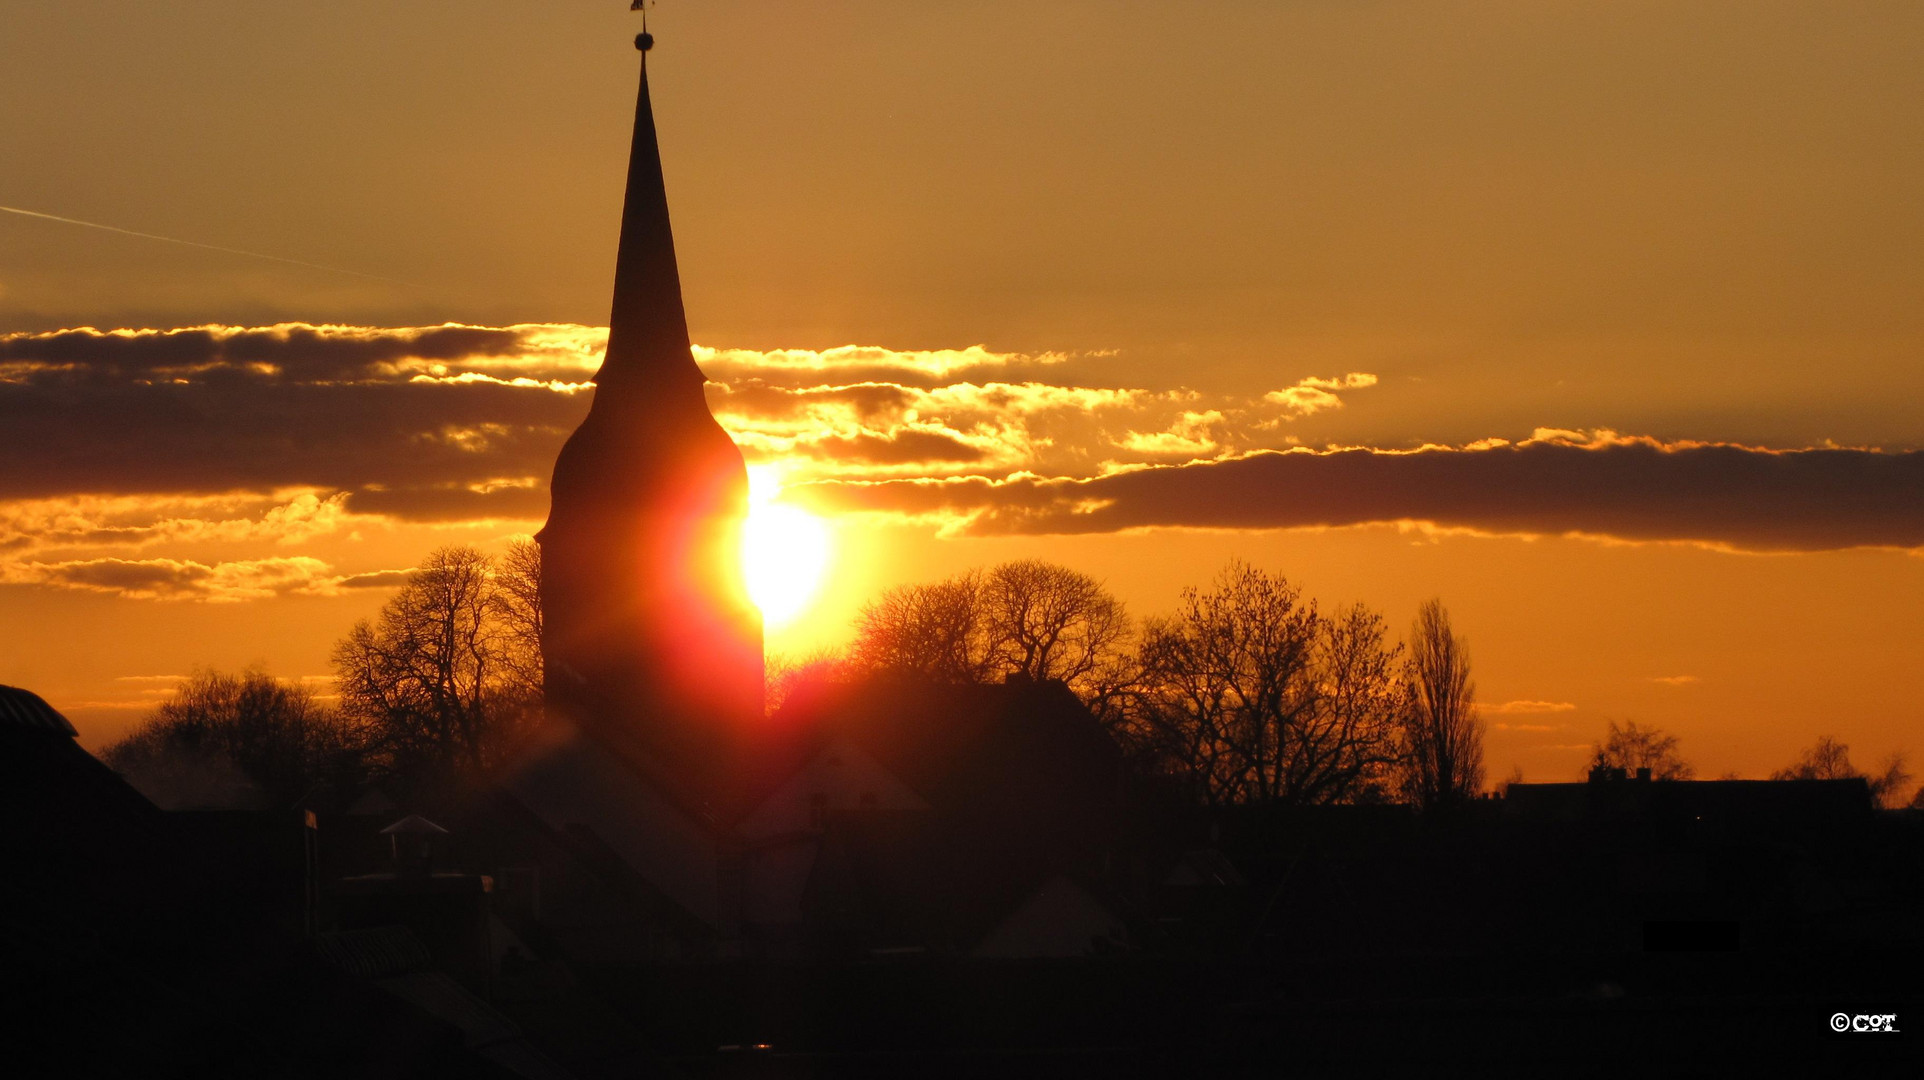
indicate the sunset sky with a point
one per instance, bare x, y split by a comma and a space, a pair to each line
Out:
1600, 321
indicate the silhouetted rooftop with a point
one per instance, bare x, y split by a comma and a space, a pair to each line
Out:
1758, 800
414, 825
26, 709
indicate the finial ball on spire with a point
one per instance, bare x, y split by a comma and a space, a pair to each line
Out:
644, 41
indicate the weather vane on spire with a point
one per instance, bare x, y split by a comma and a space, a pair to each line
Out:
644, 40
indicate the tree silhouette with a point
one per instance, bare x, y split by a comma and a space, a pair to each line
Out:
246, 740
1025, 618
517, 603
1050, 622
1828, 759
935, 630
1632, 748
1252, 696
441, 677
1443, 733
1352, 745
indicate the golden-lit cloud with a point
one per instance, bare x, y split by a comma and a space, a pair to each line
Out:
453, 420
177, 579
144, 444
138, 521
1191, 435
1511, 708
1314, 394
860, 363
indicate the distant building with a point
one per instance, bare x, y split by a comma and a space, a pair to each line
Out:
1612, 794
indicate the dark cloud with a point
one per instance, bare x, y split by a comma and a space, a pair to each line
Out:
444, 423
120, 575
442, 411
905, 447
459, 423
297, 350
378, 579
453, 503
178, 579
1631, 489
213, 435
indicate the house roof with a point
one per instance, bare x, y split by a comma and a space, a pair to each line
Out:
24, 709
946, 741
1021, 783
414, 825
1728, 800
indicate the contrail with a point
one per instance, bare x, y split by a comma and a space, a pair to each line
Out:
208, 247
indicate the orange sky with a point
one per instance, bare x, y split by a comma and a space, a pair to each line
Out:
1176, 238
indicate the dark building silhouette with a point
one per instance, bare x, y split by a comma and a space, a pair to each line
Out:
651, 643
138, 942
644, 814
1614, 795
896, 877
906, 817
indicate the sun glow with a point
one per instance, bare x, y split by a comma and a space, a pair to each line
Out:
784, 549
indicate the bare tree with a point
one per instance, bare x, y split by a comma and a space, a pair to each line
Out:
1254, 697
1443, 734
1889, 782
1023, 618
1349, 748
1226, 675
237, 741
431, 675
517, 599
1828, 759
937, 631
1632, 748
1050, 622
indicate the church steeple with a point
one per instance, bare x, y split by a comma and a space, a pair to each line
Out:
647, 329
649, 640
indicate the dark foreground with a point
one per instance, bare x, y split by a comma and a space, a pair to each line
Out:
1435, 1015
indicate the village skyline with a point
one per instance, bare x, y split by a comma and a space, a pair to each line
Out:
1113, 246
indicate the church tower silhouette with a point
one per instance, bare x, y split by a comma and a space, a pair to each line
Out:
650, 642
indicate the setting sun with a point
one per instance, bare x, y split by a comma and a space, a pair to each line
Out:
784, 549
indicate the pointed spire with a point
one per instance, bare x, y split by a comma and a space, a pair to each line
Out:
648, 329
649, 641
